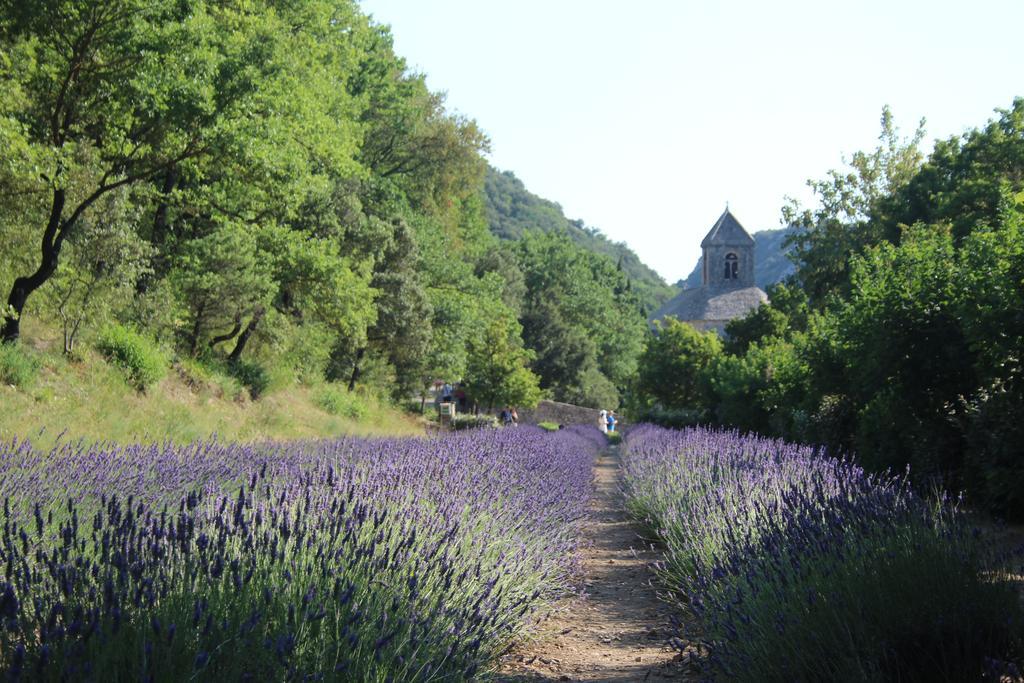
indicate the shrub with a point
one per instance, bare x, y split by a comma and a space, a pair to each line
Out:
253, 375
672, 418
548, 426
143, 362
337, 401
330, 560
798, 566
17, 366
199, 376
481, 421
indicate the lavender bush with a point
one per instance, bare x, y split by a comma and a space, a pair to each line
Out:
375, 560
797, 566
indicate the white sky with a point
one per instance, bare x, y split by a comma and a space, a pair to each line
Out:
645, 118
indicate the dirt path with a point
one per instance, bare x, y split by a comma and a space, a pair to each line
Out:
617, 629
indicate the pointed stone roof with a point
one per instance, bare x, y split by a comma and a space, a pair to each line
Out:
727, 231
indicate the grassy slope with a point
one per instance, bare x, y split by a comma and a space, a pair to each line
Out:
90, 399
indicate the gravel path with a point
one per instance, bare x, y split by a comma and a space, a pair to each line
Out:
617, 629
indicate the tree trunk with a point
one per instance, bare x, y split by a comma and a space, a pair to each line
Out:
228, 336
193, 342
159, 234
243, 338
160, 218
355, 368
23, 286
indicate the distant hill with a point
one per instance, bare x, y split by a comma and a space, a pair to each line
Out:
512, 210
771, 264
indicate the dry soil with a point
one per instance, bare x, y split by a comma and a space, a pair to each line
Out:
616, 629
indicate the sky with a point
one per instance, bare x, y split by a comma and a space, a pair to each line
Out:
644, 119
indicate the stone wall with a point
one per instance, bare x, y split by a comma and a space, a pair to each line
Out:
559, 413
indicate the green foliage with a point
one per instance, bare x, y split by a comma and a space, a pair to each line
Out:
496, 372
965, 180
841, 226
142, 361
268, 185
898, 340
18, 366
223, 278
673, 369
760, 390
513, 213
104, 260
764, 322
253, 376
581, 319
548, 426
674, 418
337, 401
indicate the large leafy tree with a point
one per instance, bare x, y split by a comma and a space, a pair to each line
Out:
111, 94
496, 367
581, 319
965, 181
841, 224
673, 368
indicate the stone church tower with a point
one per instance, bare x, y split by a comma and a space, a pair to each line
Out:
727, 288
728, 255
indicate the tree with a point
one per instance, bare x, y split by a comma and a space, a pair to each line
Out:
579, 317
402, 331
496, 368
224, 279
673, 366
965, 181
990, 289
113, 94
107, 258
761, 389
841, 226
906, 360
786, 312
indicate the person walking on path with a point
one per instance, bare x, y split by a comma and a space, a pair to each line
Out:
602, 421
611, 421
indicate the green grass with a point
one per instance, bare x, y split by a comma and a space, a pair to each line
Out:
548, 426
337, 400
18, 366
87, 397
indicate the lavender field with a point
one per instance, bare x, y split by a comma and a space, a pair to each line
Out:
376, 560
789, 565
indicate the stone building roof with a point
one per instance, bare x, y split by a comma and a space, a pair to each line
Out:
727, 231
712, 304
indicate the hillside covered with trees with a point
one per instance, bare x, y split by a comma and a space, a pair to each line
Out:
899, 336
266, 192
512, 211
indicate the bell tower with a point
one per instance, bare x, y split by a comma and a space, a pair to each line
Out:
728, 255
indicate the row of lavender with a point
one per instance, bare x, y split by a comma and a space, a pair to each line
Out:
370, 560
790, 565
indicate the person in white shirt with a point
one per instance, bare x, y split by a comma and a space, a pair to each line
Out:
602, 421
